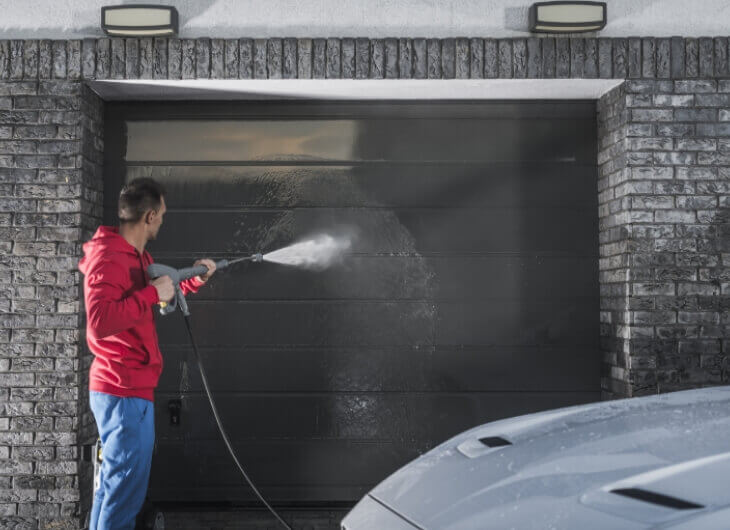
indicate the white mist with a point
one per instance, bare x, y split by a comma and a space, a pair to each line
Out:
316, 253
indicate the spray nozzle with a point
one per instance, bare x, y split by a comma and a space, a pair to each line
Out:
256, 258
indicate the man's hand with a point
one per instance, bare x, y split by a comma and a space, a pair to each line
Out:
165, 289
211, 268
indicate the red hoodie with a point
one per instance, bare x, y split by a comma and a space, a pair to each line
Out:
120, 328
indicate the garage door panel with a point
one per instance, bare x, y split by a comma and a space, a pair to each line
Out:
249, 416
433, 418
394, 417
358, 140
390, 369
202, 470
405, 323
383, 231
443, 278
390, 185
469, 295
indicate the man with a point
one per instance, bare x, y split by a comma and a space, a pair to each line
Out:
121, 333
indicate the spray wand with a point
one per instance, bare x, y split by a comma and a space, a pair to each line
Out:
156, 270
179, 275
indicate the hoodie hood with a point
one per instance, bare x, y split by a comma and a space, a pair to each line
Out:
106, 240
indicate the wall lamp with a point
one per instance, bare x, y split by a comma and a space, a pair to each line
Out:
136, 20
567, 17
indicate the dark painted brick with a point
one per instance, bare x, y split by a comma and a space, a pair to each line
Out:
604, 59
677, 57
245, 56
16, 58
362, 58
405, 58
273, 57
663, 58
505, 59
534, 58
73, 59
648, 57
433, 49
590, 64
462, 58
117, 65
420, 59
377, 59
131, 63
519, 58
45, 59
577, 60
202, 58
692, 86
692, 58
289, 58
159, 61
707, 68
88, 58
721, 66
59, 59
304, 58
146, 58
448, 58
4, 59
491, 58
259, 58
390, 47
620, 58
548, 58
30, 59
319, 58
476, 58
635, 63
102, 58
217, 58
187, 50
562, 57
713, 100
174, 58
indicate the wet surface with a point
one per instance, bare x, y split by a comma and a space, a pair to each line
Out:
470, 292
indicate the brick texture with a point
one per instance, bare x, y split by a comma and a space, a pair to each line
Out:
663, 185
665, 236
50, 198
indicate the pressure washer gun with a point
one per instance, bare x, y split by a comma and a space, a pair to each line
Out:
156, 270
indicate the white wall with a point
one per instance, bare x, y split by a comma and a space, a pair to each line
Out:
361, 18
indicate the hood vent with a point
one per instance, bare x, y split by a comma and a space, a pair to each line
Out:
657, 498
494, 441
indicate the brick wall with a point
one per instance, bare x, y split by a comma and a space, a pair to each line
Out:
665, 256
664, 141
41, 217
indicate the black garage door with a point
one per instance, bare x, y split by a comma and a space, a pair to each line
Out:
470, 292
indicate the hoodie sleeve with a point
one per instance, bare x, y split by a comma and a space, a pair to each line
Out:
191, 285
109, 310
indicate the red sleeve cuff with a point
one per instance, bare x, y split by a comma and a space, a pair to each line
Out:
196, 281
149, 294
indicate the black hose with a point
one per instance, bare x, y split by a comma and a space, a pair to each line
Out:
220, 425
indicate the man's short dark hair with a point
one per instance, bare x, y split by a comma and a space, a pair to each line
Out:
138, 196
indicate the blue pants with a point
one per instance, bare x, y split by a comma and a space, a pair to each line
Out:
127, 431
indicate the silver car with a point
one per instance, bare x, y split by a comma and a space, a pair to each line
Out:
660, 462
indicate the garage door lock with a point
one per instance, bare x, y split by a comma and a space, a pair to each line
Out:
174, 407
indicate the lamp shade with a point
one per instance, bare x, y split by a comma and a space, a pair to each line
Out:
139, 20
567, 17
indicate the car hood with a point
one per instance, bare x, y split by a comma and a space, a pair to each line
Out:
560, 468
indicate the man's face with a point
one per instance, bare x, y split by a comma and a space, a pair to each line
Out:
156, 220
